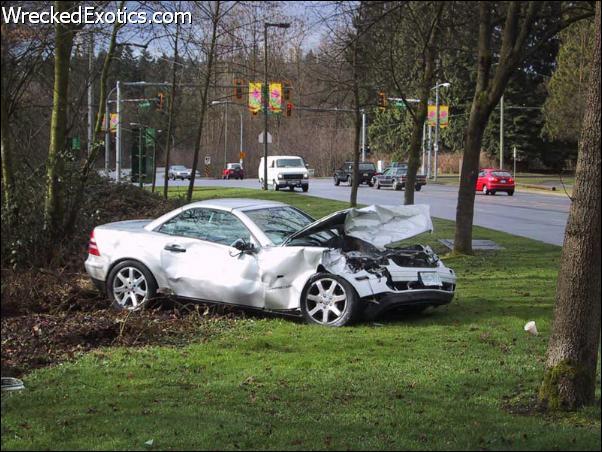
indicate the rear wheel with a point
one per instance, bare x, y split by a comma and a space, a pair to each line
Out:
329, 300
511, 193
305, 188
418, 187
485, 190
377, 185
131, 285
337, 182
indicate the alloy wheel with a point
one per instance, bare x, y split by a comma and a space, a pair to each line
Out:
130, 288
326, 300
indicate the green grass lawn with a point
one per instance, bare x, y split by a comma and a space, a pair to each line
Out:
440, 380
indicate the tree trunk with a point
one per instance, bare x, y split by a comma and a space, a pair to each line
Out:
570, 376
204, 92
172, 98
53, 203
8, 180
96, 145
470, 171
422, 109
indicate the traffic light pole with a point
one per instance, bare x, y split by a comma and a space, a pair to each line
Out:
118, 136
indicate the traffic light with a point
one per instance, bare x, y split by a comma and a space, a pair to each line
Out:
289, 109
286, 92
238, 89
382, 100
160, 101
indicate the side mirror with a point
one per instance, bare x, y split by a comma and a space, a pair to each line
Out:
244, 246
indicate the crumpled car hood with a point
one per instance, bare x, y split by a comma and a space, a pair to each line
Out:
377, 224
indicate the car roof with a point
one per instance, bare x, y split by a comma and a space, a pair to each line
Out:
494, 169
230, 204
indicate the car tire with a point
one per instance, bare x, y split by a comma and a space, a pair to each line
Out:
418, 187
241, 177
511, 193
370, 184
332, 313
349, 181
291, 188
130, 285
305, 188
396, 186
275, 186
337, 182
485, 190
377, 186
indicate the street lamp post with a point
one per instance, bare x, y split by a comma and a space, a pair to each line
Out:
265, 98
446, 84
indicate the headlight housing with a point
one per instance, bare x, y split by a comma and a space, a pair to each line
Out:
305, 176
280, 176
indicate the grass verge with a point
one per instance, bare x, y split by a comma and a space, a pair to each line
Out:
450, 379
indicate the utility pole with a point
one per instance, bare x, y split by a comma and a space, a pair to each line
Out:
118, 135
502, 132
430, 147
363, 135
423, 147
226, 138
514, 172
107, 134
241, 149
436, 124
90, 91
266, 92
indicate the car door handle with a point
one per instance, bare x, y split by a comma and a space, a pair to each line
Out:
175, 248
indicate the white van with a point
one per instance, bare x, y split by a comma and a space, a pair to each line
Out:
285, 171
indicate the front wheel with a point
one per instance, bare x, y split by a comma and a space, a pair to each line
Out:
329, 300
418, 187
305, 188
337, 182
131, 285
275, 185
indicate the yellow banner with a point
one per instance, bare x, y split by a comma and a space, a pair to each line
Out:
112, 124
275, 97
254, 97
443, 116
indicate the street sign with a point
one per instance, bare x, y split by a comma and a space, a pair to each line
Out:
145, 104
242, 155
207, 160
76, 144
260, 138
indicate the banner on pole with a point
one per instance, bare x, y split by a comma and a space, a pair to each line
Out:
254, 97
112, 124
443, 116
275, 98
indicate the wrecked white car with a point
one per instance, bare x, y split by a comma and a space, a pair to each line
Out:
274, 257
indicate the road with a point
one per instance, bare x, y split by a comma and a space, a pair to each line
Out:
537, 216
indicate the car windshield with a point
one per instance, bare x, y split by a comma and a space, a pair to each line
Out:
279, 222
178, 168
501, 174
233, 166
398, 171
290, 163
366, 166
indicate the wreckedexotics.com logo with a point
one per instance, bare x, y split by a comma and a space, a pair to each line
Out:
89, 15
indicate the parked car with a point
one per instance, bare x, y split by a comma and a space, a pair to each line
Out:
181, 172
492, 180
285, 171
270, 256
345, 174
233, 171
395, 177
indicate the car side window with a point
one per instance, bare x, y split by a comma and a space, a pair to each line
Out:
206, 224
387, 172
482, 174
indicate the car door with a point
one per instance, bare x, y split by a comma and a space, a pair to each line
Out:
199, 261
480, 180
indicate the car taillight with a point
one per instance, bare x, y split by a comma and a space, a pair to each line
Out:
92, 246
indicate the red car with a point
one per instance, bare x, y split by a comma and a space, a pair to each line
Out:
233, 171
492, 180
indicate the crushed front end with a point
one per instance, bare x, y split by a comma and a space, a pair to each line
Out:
401, 278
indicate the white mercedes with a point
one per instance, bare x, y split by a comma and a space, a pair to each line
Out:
274, 257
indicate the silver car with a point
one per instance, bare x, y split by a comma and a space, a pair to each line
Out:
271, 256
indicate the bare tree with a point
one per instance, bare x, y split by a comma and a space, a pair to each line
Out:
526, 27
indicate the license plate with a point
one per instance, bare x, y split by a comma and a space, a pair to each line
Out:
294, 181
430, 279
365, 174
503, 181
